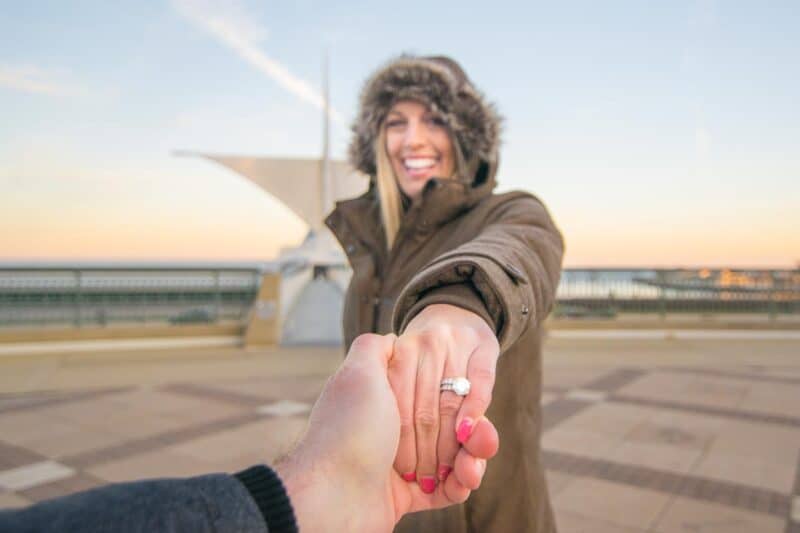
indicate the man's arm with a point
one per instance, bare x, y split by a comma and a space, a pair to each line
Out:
212, 503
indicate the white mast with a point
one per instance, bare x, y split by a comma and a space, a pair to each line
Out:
327, 183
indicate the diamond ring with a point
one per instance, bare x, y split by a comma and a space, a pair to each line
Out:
459, 386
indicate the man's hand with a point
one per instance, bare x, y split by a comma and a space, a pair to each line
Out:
340, 476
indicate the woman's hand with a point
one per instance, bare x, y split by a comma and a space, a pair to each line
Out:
344, 460
441, 341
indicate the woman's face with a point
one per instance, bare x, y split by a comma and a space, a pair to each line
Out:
418, 145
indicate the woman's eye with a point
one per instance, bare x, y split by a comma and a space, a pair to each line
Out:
394, 123
436, 121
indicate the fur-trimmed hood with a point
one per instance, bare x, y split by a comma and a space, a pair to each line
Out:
439, 83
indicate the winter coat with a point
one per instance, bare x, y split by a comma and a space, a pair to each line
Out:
498, 255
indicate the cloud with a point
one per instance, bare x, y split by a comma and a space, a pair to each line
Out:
35, 80
231, 25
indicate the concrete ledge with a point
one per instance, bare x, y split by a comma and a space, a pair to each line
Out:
63, 347
674, 334
132, 331
693, 321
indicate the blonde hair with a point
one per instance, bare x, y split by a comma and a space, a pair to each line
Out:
388, 190
389, 195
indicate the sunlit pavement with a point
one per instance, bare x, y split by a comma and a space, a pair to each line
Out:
640, 433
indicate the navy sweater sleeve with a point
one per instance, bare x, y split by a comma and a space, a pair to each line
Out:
213, 503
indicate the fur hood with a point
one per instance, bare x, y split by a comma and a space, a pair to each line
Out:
441, 84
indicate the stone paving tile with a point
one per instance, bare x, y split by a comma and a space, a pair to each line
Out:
773, 399
14, 456
11, 500
24, 477
794, 515
264, 440
703, 409
73, 441
285, 408
215, 393
580, 442
686, 515
24, 402
685, 388
716, 392
139, 446
21, 428
586, 395
771, 442
558, 481
612, 503
788, 376
305, 389
559, 410
656, 456
158, 463
689, 485
70, 485
747, 470
610, 419
660, 432
616, 379
571, 522
687, 419
151, 400
564, 377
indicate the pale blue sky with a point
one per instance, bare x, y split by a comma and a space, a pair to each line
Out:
658, 133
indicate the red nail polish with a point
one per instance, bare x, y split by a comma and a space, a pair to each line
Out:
428, 484
411, 476
444, 471
464, 430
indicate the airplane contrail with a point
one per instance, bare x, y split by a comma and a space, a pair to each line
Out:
230, 24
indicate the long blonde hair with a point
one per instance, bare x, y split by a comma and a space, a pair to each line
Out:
389, 195
388, 190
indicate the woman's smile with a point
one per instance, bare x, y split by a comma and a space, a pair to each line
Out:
419, 146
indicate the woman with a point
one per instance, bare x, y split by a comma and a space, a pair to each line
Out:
465, 277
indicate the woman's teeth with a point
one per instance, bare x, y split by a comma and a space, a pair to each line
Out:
419, 163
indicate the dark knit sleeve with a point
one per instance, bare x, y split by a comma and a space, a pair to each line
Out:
270, 496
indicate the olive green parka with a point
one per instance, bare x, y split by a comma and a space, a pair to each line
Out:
498, 255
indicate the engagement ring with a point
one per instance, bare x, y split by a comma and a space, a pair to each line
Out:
458, 385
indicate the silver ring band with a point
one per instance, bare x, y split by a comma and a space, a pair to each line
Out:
459, 386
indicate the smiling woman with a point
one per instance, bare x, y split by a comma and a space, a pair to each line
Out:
464, 276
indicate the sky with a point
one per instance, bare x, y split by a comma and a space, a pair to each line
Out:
658, 134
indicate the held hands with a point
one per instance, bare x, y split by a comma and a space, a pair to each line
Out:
442, 341
340, 475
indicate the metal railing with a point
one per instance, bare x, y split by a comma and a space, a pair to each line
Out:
608, 292
85, 296
100, 296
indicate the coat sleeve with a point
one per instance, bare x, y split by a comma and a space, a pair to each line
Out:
213, 503
508, 273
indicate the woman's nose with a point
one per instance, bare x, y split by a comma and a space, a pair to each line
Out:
415, 134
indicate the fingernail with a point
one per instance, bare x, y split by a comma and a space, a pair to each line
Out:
482, 465
464, 430
411, 476
428, 484
444, 471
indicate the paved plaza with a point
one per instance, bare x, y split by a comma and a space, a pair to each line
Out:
640, 434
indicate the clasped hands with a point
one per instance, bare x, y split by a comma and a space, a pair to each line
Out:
383, 408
